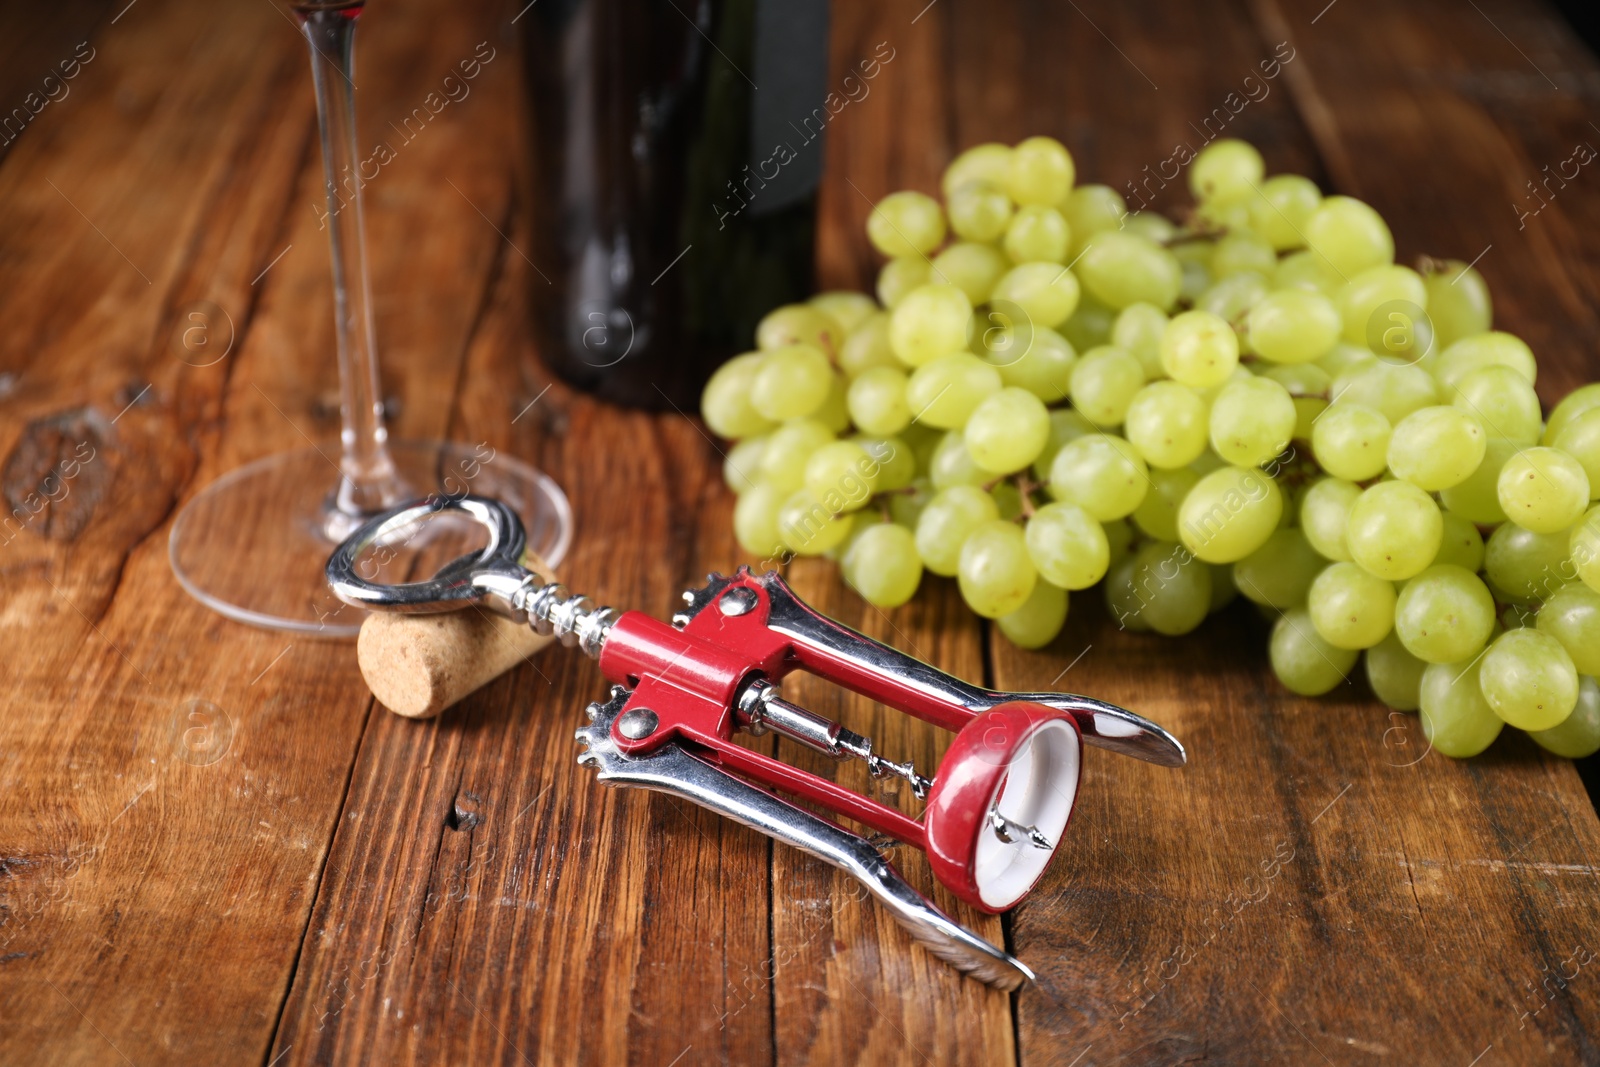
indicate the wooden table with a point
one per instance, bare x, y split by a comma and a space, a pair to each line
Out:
342, 885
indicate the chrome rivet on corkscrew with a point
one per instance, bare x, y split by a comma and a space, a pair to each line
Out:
996, 809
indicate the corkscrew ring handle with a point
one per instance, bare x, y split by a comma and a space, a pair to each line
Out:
487, 577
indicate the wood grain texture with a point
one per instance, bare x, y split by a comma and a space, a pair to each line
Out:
212, 849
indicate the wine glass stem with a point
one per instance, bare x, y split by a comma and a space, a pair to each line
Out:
369, 481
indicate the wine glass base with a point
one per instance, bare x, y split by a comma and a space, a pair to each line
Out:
252, 545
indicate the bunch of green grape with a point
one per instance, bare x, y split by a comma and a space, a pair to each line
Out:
1051, 392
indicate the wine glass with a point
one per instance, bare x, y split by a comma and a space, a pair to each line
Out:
252, 545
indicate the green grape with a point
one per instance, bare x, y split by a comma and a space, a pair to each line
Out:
1345, 358
1037, 234
1396, 389
841, 476
994, 571
1282, 210
791, 382
877, 401
1146, 224
1543, 489
1173, 587
1578, 735
1495, 348
1279, 573
1349, 607
725, 404
1478, 498
1226, 171
1349, 236
1157, 513
1041, 171
1351, 441
1524, 565
1069, 548
973, 268
1436, 447
1167, 424
1394, 530
1303, 661
1008, 498
930, 322
1456, 719
1065, 425
1240, 251
906, 507
1325, 516
1395, 674
945, 392
1119, 269
1199, 350
1306, 271
1122, 597
1444, 615
882, 565
1575, 403
1308, 384
1040, 618
951, 463
1572, 616
799, 324
906, 223
808, 527
1120, 536
1101, 474
1104, 383
1090, 325
1138, 329
1585, 548
1047, 293
848, 309
1366, 293
946, 522
1458, 300
902, 276
1092, 209
1529, 680
896, 462
1293, 326
1229, 514
868, 346
1580, 439
1196, 281
1502, 400
755, 519
1460, 544
1007, 431
978, 212
783, 462
923, 440
989, 164
741, 467
1251, 421
1043, 367
835, 410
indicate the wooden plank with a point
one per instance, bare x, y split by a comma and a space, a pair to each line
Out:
1299, 890
155, 901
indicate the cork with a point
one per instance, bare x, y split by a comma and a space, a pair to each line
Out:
418, 665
